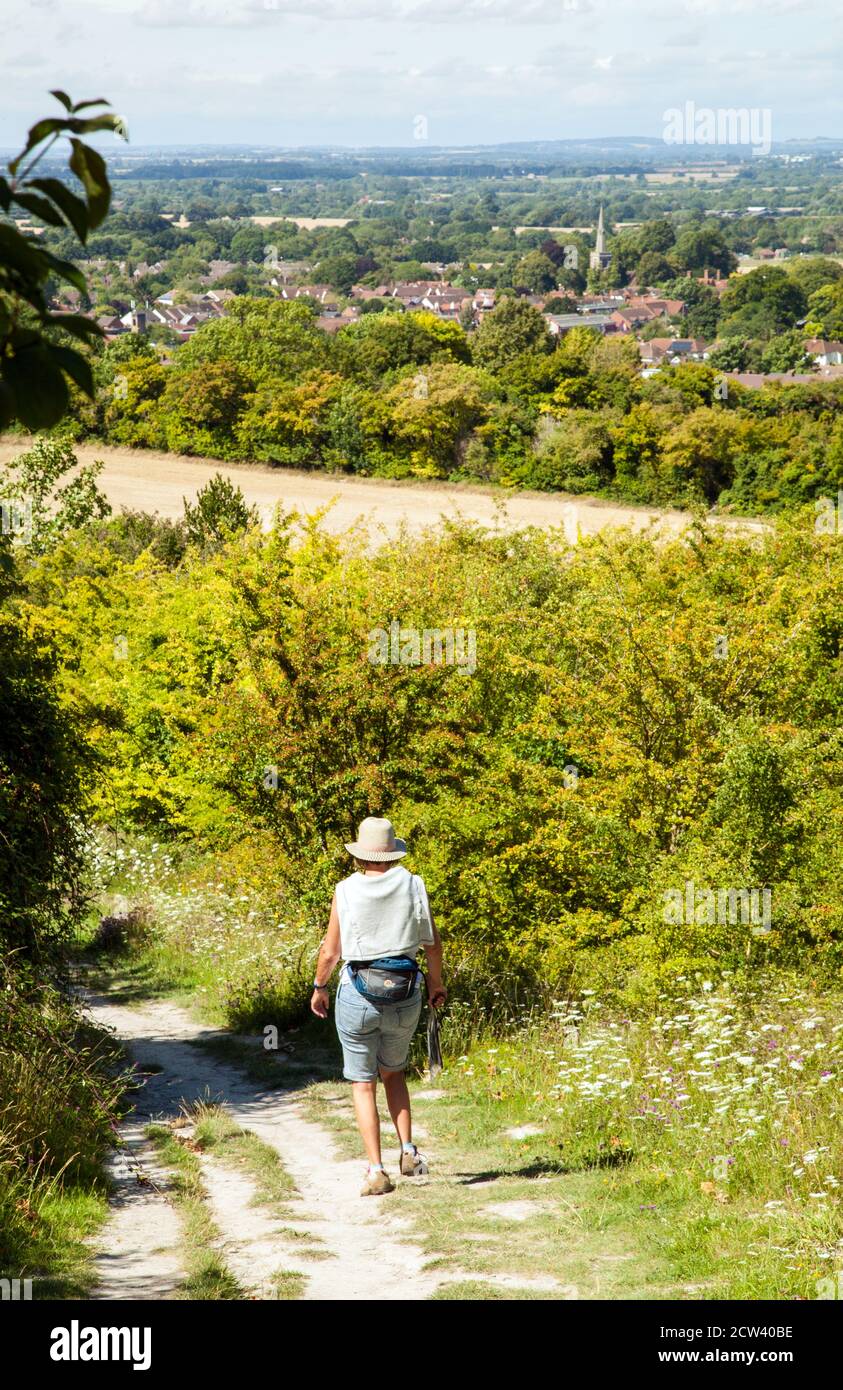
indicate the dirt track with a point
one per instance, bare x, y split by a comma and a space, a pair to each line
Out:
364, 1259
155, 482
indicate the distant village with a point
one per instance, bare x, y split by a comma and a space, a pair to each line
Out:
622, 311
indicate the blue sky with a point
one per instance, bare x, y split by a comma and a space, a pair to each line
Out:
351, 72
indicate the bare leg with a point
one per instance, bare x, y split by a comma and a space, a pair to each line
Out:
398, 1100
368, 1120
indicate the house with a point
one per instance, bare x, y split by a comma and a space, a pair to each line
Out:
144, 268
112, 325
824, 353
627, 320
366, 292
660, 308
217, 269
412, 292
483, 301
323, 294
448, 304
714, 282
755, 380
330, 323
673, 350
599, 303
560, 324
217, 299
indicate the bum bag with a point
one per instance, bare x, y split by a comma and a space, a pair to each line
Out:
387, 980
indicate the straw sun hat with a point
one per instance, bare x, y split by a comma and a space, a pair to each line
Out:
377, 842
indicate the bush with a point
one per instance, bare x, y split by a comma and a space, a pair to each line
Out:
641, 715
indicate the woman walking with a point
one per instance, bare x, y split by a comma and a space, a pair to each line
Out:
380, 918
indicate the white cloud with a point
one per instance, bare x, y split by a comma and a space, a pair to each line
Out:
318, 71
240, 14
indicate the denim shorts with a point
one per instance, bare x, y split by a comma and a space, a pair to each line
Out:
374, 1035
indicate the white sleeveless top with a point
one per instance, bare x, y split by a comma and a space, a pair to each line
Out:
383, 914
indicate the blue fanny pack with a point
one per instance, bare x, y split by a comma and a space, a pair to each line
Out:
387, 980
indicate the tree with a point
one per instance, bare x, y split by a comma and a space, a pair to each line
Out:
701, 247
200, 408
653, 269
42, 784
340, 271
38, 507
262, 338
700, 452
657, 236
734, 355
35, 358
250, 244
553, 251
512, 328
786, 353
573, 457
536, 272
560, 304
774, 298
382, 343
702, 306
219, 512
811, 273
433, 411
826, 308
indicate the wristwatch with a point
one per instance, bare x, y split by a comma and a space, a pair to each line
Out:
315, 986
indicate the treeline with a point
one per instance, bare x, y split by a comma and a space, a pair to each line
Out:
410, 395
60, 1086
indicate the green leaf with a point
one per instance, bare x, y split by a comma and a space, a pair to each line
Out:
28, 291
25, 338
89, 168
96, 101
77, 324
71, 205
40, 207
77, 367
5, 195
66, 270
38, 387
37, 133
21, 254
106, 121
62, 97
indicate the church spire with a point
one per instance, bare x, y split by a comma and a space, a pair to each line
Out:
599, 258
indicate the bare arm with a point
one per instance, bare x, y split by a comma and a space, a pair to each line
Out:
329, 954
435, 991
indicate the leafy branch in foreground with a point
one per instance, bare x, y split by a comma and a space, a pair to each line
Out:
34, 362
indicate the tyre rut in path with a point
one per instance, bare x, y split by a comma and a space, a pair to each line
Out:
366, 1259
